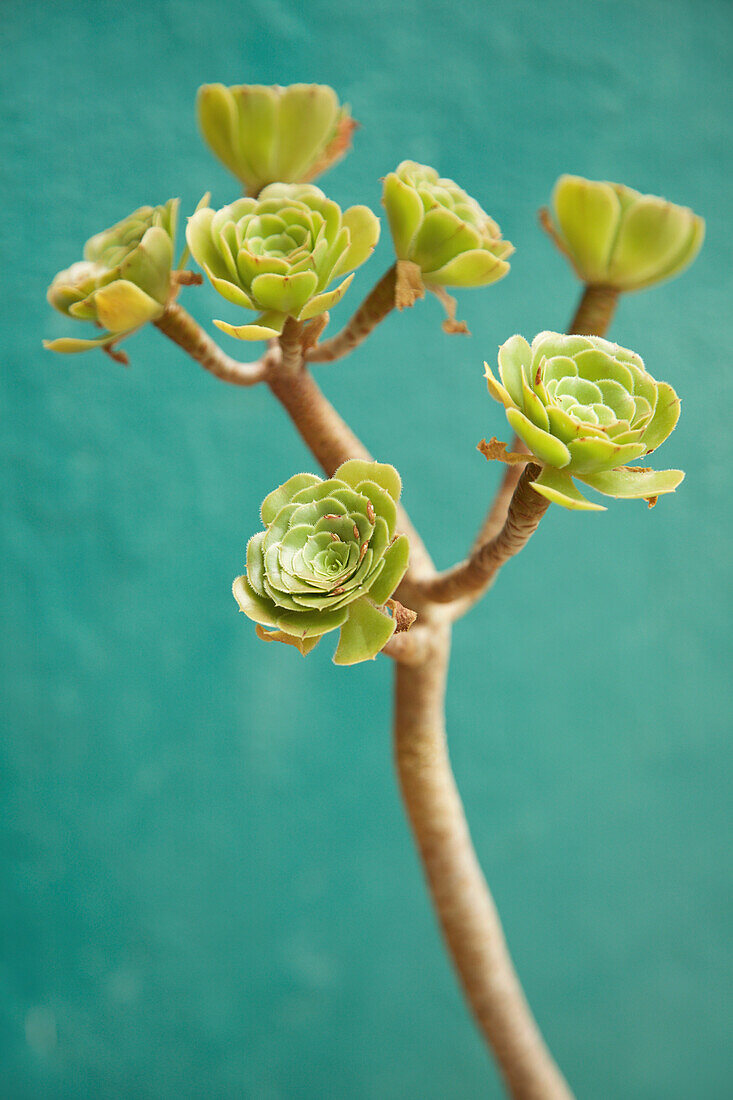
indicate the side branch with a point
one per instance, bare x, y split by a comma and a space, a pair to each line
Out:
497, 514
376, 306
473, 575
180, 327
327, 436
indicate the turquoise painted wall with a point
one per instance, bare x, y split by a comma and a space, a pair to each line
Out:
200, 900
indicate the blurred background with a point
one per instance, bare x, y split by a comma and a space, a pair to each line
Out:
208, 886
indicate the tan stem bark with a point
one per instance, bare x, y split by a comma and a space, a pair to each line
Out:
182, 329
329, 438
466, 911
463, 904
474, 575
595, 311
376, 306
496, 515
413, 647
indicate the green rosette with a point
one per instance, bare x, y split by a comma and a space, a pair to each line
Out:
268, 134
617, 237
327, 559
124, 280
441, 229
585, 408
278, 254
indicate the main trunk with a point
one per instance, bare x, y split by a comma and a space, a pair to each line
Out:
465, 908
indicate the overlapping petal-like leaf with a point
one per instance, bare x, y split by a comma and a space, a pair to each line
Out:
123, 280
328, 558
437, 226
585, 407
615, 236
279, 253
268, 134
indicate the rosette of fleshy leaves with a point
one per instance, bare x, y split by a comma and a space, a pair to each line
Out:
124, 280
268, 134
327, 559
616, 237
585, 408
278, 254
441, 229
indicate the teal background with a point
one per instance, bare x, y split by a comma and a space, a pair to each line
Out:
208, 888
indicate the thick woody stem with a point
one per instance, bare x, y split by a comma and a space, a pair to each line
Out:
319, 425
595, 311
379, 302
463, 903
180, 327
475, 573
412, 647
466, 911
291, 347
329, 439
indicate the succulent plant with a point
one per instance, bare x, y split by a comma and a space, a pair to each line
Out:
327, 559
437, 226
123, 280
585, 407
268, 134
617, 237
278, 254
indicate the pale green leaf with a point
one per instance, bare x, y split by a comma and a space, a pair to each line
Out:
396, 559
547, 448
559, 488
634, 483
404, 213
356, 470
364, 633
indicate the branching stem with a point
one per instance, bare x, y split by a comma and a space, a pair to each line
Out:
376, 306
463, 903
183, 330
475, 574
327, 436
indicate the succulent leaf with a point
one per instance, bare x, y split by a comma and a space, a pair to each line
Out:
585, 407
396, 558
439, 227
122, 306
266, 134
327, 559
70, 345
615, 236
363, 229
124, 280
633, 483
249, 332
559, 488
279, 253
303, 645
278, 498
364, 633
356, 470
404, 213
